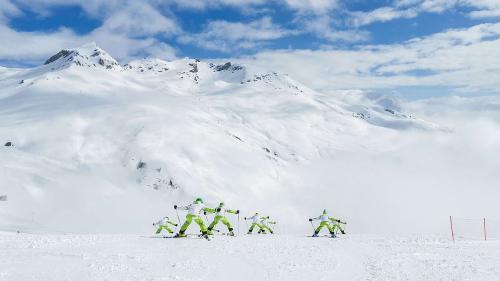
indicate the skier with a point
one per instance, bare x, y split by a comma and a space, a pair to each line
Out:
163, 225
194, 211
336, 225
255, 223
220, 215
265, 222
326, 221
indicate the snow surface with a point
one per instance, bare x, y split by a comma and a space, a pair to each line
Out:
27, 257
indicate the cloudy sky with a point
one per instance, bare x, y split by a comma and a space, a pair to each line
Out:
414, 48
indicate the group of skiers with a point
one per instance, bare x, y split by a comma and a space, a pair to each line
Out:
262, 223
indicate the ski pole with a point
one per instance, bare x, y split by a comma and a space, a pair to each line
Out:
178, 219
314, 228
238, 224
206, 218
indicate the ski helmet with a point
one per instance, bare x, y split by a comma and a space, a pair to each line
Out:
198, 200
221, 204
324, 212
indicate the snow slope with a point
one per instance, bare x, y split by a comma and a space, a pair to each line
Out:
100, 147
131, 257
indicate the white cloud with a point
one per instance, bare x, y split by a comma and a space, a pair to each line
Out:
300, 6
412, 8
486, 8
34, 45
485, 14
214, 4
400, 9
319, 18
123, 16
314, 6
7, 9
482, 4
37, 46
323, 27
436, 6
138, 20
230, 36
462, 58
380, 15
125, 48
161, 50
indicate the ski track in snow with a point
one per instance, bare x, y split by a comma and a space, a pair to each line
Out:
134, 257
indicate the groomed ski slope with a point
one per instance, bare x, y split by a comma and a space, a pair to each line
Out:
353, 257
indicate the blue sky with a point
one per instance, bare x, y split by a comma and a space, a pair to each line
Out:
260, 31
194, 20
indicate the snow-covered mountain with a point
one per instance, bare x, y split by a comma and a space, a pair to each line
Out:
89, 55
106, 146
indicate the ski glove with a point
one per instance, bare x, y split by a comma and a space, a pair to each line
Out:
310, 219
175, 207
237, 211
205, 213
218, 210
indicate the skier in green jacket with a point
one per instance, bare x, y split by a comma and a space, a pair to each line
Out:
255, 223
336, 226
163, 225
194, 211
265, 222
220, 216
330, 223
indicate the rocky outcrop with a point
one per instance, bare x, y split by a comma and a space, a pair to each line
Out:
61, 54
148, 65
228, 66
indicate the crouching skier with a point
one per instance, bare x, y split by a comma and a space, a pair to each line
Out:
163, 225
325, 221
264, 223
194, 211
220, 216
255, 223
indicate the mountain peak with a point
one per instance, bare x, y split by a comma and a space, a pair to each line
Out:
88, 55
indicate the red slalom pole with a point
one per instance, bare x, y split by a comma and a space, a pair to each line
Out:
452, 232
484, 228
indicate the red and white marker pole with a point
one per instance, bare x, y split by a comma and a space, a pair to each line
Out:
484, 228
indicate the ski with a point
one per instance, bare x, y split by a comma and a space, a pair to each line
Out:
321, 236
206, 236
